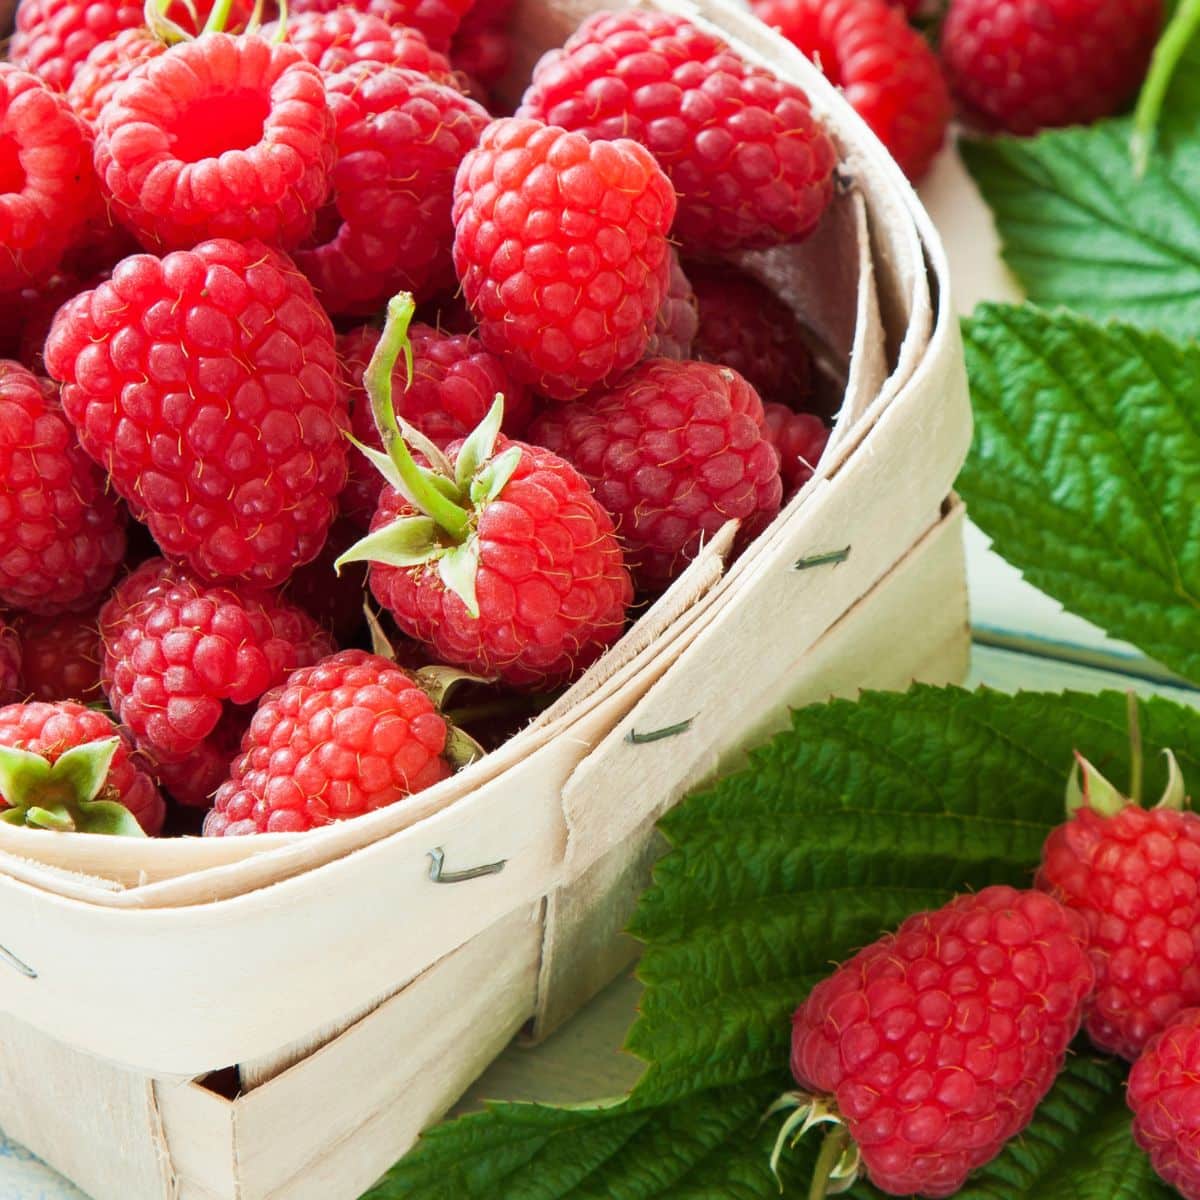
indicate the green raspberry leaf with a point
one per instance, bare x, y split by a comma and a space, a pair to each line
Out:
1085, 470
860, 814
1078, 226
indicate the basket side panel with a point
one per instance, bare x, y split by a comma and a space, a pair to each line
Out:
911, 626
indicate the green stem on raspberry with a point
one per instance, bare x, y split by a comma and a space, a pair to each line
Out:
1174, 41
830, 1154
377, 379
218, 16
1135, 748
154, 13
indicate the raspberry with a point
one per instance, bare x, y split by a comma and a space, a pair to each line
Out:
1134, 875
182, 660
54, 37
676, 451
352, 734
678, 318
108, 66
483, 55
205, 385
935, 1044
10, 663
561, 247
399, 139
1164, 1094
751, 164
50, 730
47, 185
885, 68
26, 317
221, 137
436, 19
334, 601
746, 326
454, 383
513, 569
340, 38
1022, 65
62, 536
799, 439
60, 657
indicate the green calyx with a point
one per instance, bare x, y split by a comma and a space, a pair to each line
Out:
1088, 788
65, 795
838, 1160
171, 33
448, 496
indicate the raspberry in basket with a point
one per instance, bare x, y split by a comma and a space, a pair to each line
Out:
219, 137
204, 383
437, 20
561, 247
184, 660
751, 163
799, 439
399, 140
62, 533
344, 737
48, 189
60, 657
97, 788
503, 562
678, 317
673, 453
10, 663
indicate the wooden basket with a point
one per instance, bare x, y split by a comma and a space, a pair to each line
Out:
346, 985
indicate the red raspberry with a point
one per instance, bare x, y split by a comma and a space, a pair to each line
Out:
436, 19
935, 1044
10, 664
512, 568
454, 383
678, 318
50, 730
676, 451
561, 247
746, 326
182, 660
1164, 1094
885, 68
335, 601
483, 55
751, 164
60, 657
344, 36
29, 314
205, 384
799, 439
108, 66
54, 37
221, 137
47, 185
62, 536
1134, 875
1022, 65
400, 138
352, 734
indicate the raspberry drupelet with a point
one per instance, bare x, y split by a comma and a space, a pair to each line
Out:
62, 534
437, 20
219, 137
344, 737
183, 661
502, 562
344, 36
751, 163
561, 247
205, 384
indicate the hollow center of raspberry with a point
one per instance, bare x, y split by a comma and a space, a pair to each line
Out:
12, 174
213, 124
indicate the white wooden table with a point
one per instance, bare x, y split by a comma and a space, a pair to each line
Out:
1023, 641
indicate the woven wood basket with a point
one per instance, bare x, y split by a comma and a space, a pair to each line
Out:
345, 986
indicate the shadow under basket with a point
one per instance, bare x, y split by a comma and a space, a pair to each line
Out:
279, 1017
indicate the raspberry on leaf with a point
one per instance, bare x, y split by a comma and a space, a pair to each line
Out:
931, 1048
496, 554
1134, 875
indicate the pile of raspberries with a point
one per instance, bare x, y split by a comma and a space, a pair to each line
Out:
206, 424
